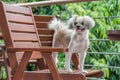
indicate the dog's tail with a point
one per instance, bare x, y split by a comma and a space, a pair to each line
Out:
56, 24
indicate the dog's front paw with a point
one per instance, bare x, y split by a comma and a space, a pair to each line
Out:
81, 69
84, 72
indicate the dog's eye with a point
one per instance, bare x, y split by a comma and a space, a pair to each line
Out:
75, 23
82, 23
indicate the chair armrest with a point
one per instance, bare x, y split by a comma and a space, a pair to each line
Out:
41, 49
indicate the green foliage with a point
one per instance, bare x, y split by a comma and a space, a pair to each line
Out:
3, 75
97, 10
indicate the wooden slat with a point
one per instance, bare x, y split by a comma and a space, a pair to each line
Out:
43, 18
24, 37
114, 34
114, 37
46, 43
26, 44
19, 18
41, 24
19, 10
45, 31
21, 27
46, 38
41, 49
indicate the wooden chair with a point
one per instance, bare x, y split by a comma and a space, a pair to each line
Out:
20, 35
46, 36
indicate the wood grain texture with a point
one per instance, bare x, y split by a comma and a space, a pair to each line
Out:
42, 24
15, 9
41, 49
19, 18
20, 27
24, 37
45, 31
113, 35
42, 18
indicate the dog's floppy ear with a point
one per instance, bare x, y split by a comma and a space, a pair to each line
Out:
88, 22
71, 21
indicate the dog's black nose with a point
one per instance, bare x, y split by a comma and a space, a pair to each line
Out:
78, 27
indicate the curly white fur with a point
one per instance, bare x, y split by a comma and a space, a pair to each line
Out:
74, 35
57, 24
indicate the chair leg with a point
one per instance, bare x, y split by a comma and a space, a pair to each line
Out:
0, 72
19, 73
6, 64
75, 60
8, 72
41, 64
36, 66
51, 65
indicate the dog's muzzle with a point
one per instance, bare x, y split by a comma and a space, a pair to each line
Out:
79, 29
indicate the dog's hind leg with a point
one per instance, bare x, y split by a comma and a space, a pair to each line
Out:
81, 61
55, 43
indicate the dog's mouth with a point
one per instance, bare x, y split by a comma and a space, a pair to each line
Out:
79, 29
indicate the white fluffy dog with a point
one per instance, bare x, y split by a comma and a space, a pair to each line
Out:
74, 35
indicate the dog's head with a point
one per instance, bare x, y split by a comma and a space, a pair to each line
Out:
80, 23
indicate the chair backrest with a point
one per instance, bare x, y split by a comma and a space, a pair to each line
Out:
18, 27
45, 34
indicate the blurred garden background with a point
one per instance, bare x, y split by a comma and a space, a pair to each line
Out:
104, 54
